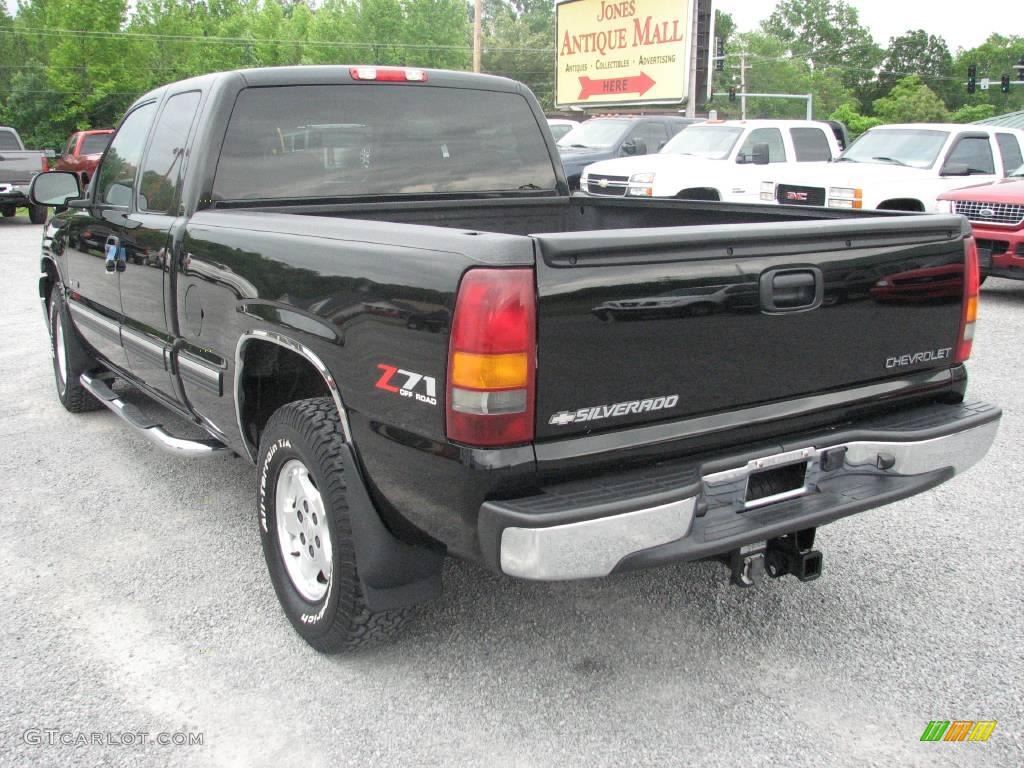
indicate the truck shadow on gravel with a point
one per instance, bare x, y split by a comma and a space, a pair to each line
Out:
1001, 291
686, 615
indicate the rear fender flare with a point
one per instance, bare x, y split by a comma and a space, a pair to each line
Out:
298, 348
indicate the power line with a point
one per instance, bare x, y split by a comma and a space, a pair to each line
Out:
101, 34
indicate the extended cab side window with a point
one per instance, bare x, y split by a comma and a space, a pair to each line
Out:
770, 136
70, 148
116, 179
162, 170
811, 145
1009, 148
975, 152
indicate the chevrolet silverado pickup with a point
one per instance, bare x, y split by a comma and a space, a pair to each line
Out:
374, 284
17, 168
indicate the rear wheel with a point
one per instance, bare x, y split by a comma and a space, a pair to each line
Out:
70, 359
37, 214
8, 211
306, 530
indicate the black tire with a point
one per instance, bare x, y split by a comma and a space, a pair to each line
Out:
37, 214
982, 279
8, 211
76, 360
309, 431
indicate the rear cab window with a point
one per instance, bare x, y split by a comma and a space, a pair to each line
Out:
162, 169
337, 141
1010, 150
9, 142
95, 143
810, 145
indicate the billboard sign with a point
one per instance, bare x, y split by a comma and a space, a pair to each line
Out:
625, 52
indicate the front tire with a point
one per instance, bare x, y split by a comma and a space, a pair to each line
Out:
70, 360
306, 530
37, 214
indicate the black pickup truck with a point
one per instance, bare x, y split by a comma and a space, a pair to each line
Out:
374, 284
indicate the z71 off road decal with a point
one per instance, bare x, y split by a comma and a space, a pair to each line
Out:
407, 383
615, 409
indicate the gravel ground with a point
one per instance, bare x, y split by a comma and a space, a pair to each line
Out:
135, 599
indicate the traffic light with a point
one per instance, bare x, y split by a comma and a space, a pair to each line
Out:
1004, 84
972, 74
732, 93
719, 54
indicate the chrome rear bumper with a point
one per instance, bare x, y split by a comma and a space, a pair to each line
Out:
715, 515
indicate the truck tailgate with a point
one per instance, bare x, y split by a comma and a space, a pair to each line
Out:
19, 166
638, 326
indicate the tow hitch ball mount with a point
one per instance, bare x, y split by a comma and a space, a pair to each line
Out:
792, 554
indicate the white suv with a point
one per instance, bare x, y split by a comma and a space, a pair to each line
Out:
902, 167
715, 160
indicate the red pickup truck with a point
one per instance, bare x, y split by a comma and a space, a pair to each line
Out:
83, 153
996, 213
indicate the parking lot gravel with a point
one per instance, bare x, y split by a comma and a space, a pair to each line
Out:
136, 607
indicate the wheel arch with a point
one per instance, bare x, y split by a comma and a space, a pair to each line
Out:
699, 193
299, 360
902, 204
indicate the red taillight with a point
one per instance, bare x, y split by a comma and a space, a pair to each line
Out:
388, 75
972, 283
45, 163
492, 359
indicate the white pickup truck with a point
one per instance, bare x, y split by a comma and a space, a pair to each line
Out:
715, 160
902, 167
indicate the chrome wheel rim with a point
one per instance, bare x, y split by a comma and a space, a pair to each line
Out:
302, 532
62, 353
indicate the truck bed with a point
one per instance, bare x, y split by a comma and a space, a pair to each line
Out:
665, 299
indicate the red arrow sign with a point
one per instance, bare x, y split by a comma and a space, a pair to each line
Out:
638, 84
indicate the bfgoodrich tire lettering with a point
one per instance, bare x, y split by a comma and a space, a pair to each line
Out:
70, 359
307, 434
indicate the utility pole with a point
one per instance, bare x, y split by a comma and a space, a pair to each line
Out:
691, 100
743, 84
477, 13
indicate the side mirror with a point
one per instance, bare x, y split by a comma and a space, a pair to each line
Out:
634, 147
955, 169
759, 154
54, 188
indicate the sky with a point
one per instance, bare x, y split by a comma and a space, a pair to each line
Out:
959, 25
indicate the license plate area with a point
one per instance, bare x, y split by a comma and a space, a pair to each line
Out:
770, 485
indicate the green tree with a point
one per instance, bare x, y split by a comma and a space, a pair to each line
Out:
917, 53
829, 34
772, 70
518, 43
993, 58
911, 101
972, 114
855, 122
